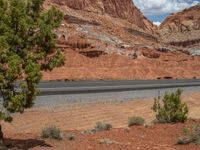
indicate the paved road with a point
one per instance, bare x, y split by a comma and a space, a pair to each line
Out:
86, 87
55, 93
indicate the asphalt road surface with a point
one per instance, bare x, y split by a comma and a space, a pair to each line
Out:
86, 87
54, 94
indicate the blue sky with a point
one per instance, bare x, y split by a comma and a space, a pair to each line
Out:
158, 10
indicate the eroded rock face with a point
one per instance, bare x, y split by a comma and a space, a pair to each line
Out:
187, 20
124, 9
77, 42
111, 39
183, 28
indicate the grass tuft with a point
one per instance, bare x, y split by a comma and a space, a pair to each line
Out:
100, 126
51, 132
136, 121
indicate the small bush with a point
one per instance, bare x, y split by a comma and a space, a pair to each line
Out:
51, 132
191, 136
89, 132
183, 141
171, 109
100, 126
133, 121
103, 126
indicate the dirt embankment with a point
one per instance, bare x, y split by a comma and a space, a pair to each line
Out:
143, 64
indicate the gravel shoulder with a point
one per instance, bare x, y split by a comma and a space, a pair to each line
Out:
80, 116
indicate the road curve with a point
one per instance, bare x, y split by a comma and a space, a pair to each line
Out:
86, 87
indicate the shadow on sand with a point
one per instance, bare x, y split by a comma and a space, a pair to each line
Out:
25, 144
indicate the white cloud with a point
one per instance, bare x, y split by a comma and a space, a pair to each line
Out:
195, 3
157, 23
159, 7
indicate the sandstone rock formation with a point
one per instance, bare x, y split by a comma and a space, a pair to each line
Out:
182, 29
111, 39
124, 9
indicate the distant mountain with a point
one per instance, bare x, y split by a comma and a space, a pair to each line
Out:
182, 29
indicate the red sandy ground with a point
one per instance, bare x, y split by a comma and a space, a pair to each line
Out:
24, 132
157, 137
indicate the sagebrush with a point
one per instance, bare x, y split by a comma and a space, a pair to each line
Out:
100, 126
191, 135
135, 121
52, 132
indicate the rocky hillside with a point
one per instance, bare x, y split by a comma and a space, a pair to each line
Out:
182, 29
104, 22
124, 9
99, 27
111, 39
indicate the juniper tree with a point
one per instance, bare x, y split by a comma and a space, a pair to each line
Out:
172, 109
27, 47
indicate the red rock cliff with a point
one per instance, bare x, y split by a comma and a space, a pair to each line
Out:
182, 28
124, 9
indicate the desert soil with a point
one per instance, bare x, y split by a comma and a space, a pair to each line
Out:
117, 67
24, 132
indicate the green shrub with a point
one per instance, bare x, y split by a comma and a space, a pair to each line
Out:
171, 109
133, 121
51, 132
192, 136
100, 126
